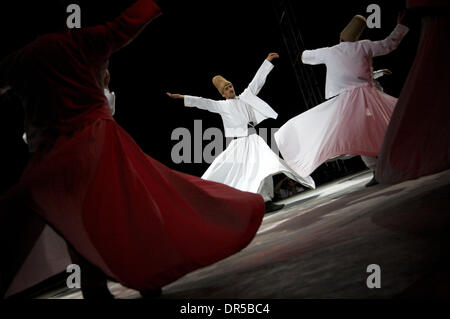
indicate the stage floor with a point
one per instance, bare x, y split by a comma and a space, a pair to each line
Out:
321, 244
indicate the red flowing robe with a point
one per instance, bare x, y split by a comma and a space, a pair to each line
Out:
140, 222
417, 141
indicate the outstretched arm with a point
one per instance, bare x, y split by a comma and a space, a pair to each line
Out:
314, 57
383, 47
118, 33
175, 96
260, 77
199, 102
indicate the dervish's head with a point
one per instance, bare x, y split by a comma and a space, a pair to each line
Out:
353, 30
224, 87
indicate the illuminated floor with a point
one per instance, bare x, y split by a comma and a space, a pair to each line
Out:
321, 243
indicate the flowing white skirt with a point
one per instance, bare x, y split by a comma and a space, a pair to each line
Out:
353, 122
248, 164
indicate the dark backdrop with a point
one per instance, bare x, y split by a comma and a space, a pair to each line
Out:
182, 50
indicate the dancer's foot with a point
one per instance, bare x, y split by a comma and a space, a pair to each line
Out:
94, 283
271, 207
151, 294
372, 182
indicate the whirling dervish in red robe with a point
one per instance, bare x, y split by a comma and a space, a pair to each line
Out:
140, 222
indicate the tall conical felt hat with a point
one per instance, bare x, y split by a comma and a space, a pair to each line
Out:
354, 29
220, 82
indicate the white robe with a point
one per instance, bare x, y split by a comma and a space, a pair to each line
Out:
354, 119
248, 163
233, 112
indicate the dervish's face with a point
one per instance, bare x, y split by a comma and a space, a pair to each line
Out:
228, 91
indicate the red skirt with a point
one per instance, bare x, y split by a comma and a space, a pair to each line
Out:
417, 140
142, 223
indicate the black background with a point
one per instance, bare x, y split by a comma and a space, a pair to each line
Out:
182, 50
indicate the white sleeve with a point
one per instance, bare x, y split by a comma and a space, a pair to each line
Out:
377, 74
24, 137
202, 103
383, 47
313, 57
260, 77
112, 104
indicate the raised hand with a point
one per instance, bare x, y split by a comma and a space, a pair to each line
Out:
272, 56
401, 18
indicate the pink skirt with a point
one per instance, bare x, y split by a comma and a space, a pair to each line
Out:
353, 122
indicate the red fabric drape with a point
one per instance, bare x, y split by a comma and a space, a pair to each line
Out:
417, 140
140, 222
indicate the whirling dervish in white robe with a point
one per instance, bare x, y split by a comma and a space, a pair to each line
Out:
355, 117
247, 163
